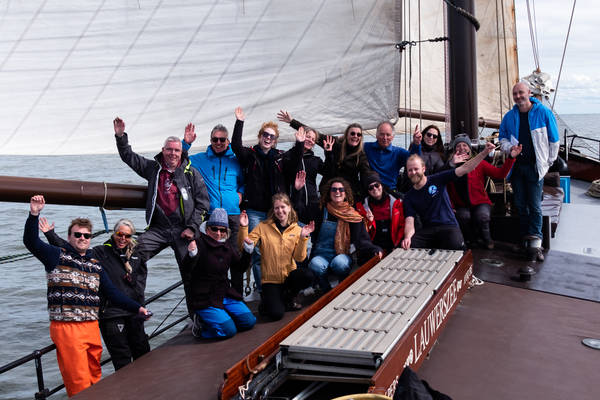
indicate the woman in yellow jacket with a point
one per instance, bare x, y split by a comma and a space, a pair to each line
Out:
281, 242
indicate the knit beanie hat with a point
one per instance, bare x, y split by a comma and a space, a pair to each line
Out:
218, 218
371, 177
463, 137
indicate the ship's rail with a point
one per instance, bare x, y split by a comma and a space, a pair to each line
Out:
583, 145
36, 356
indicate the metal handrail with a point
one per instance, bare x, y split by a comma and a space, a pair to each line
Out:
36, 355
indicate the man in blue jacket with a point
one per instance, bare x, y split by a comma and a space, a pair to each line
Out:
221, 172
533, 126
387, 159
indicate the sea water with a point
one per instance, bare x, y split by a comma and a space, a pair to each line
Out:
23, 316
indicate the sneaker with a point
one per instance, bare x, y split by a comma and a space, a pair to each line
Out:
196, 327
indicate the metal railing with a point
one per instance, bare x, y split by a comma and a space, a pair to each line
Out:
36, 356
584, 145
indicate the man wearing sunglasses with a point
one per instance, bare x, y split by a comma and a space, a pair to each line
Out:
75, 279
221, 172
385, 158
177, 200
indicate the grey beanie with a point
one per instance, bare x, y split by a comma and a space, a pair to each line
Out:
218, 218
463, 137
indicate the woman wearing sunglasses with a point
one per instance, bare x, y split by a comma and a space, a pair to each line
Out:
264, 174
122, 331
339, 226
432, 153
344, 155
282, 243
219, 310
384, 214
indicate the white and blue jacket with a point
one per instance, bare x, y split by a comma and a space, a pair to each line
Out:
544, 134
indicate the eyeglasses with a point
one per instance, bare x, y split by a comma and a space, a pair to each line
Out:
80, 234
357, 134
123, 235
374, 185
217, 229
269, 136
218, 139
431, 135
337, 189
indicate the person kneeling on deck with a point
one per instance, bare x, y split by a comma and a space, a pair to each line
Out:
281, 242
429, 200
74, 279
219, 312
339, 225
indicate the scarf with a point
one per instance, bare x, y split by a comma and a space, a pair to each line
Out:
345, 214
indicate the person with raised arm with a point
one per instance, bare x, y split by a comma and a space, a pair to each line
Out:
177, 199
75, 279
428, 198
282, 244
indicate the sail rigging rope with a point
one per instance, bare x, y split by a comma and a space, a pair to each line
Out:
533, 35
461, 11
563, 55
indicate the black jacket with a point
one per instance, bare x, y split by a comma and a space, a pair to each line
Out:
208, 272
264, 174
193, 196
306, 200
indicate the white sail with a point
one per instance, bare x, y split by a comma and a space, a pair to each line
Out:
423, 76
67, 68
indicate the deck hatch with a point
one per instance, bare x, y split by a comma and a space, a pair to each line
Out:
362, 324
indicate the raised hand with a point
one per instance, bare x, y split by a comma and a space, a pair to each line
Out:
300, 135
328, 143
489, 147
44, 225
36, 204
516, 150
239, 114
190, 133
459, 158
300, 180
119, 126
417, 136
307, 229
192, 246
284, 116
243, 218
187, 234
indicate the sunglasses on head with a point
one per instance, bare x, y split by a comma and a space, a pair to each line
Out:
337, 189
218, 139
80, 234
218, 229
374, 185
357, 134
431, 135
269, 136
123, 235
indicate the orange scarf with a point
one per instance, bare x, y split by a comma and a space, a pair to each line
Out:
345, 214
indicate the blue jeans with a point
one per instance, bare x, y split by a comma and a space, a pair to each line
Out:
254, 218
224, 323
338, 265
527, 189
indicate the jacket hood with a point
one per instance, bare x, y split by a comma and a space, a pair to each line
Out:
535, 103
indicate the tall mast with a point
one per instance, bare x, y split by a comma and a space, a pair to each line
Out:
462, 70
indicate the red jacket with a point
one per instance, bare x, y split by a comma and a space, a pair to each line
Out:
476, 183
396, 216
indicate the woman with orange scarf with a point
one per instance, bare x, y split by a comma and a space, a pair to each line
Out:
341, 225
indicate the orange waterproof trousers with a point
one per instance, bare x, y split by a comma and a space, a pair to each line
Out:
78, 351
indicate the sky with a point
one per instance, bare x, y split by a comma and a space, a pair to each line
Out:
579, 86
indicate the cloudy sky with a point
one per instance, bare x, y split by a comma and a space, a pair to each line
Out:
579, 86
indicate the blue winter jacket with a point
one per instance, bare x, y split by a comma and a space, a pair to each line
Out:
544, 134
223, 178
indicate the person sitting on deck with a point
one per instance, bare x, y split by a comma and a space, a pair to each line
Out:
282, 243
429, 200
122, 331
219, 310
75, 278
468, 196
177, 199
338, 226
384, 214
385, 158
